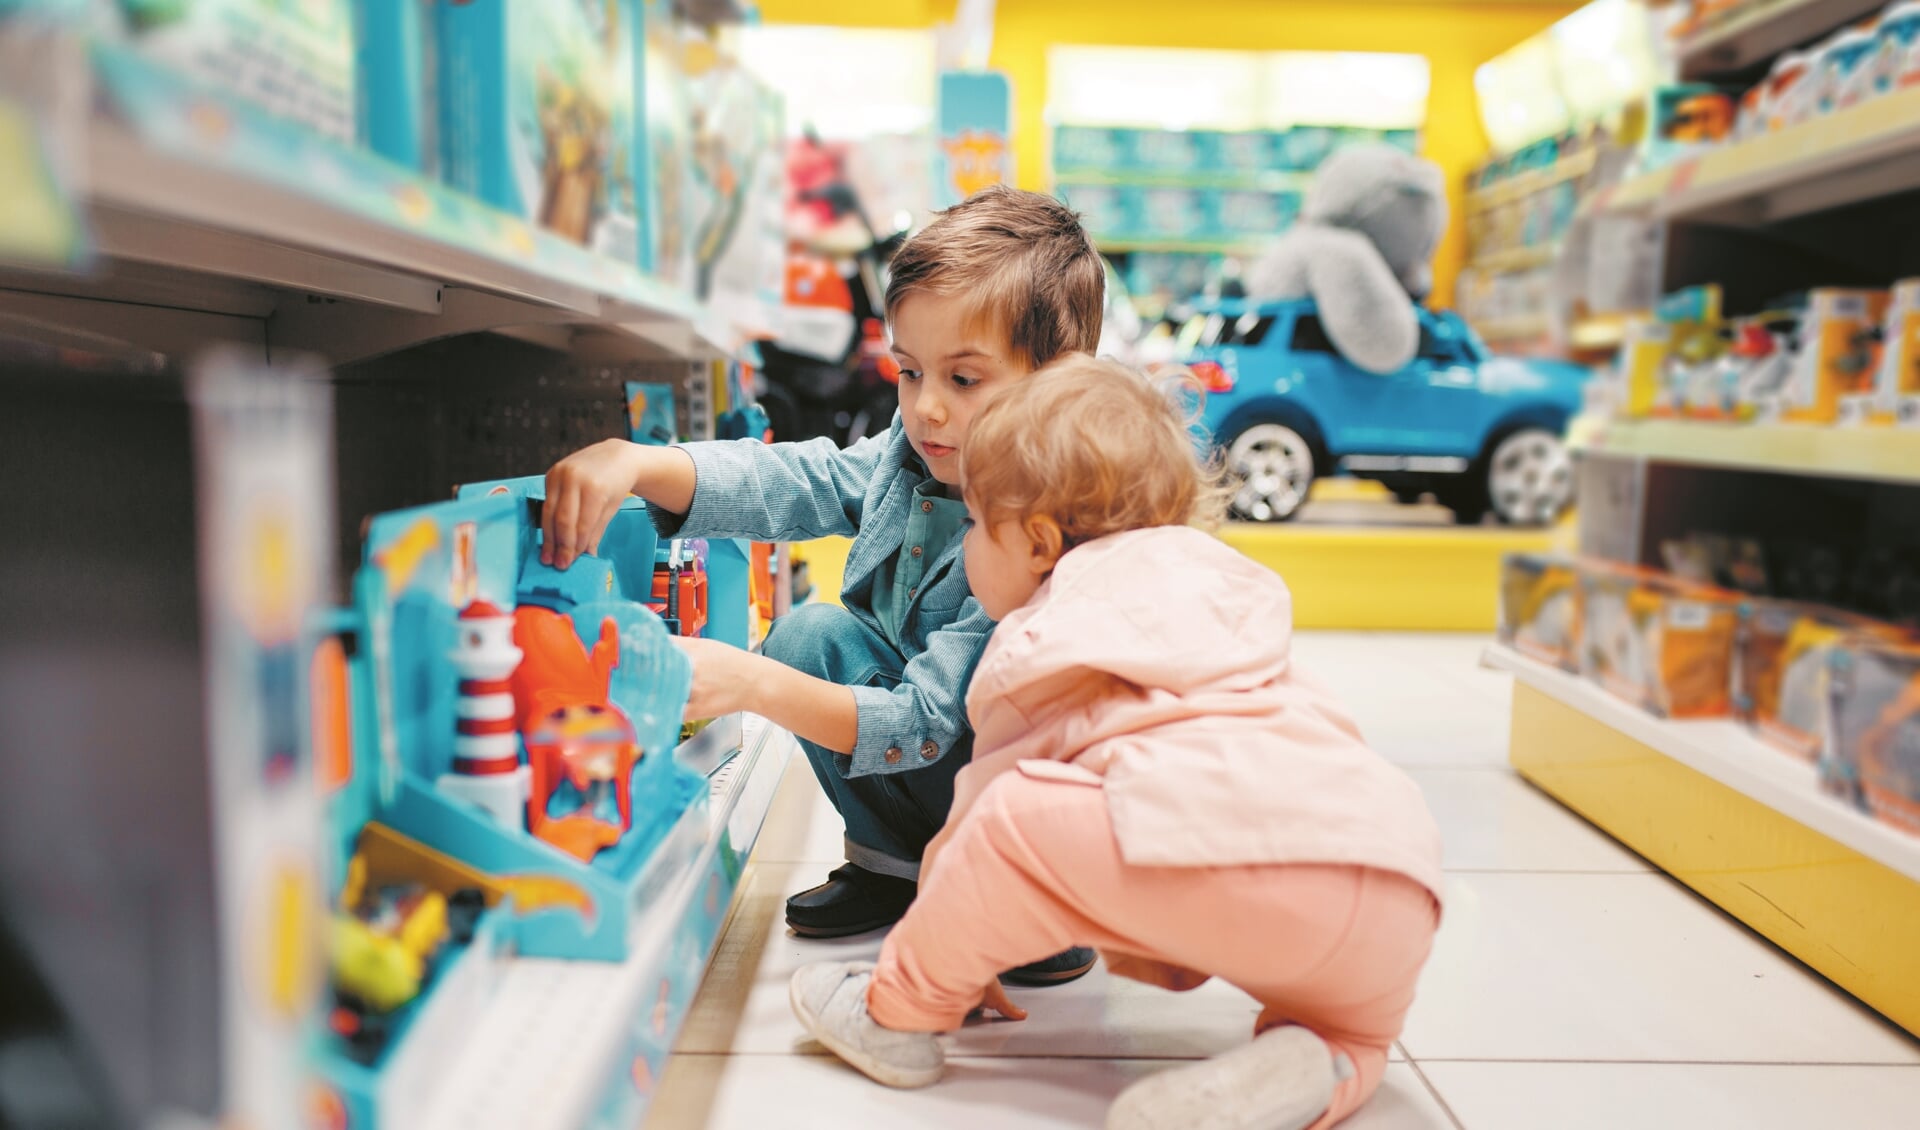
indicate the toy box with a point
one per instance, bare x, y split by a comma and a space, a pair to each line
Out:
1839, 356
1895, 398
1873, 754
417, 950
397, 106
293, 60
528, 102
1660, 643
663, 155
1897, 60
1540, 609
1088, 149
469, 645
1781, 666
650, 414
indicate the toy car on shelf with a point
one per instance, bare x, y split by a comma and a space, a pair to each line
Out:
1478, 432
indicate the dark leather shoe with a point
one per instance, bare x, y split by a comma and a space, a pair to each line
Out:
1068, 965
853, 900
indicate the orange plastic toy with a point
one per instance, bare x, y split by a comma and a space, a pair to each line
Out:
583, 757
557, 669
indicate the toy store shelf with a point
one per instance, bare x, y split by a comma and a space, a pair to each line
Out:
1741, 823
1515, 259
1390, 578
1528, 183
1757, 31
1598, 332
561, 1041
1875, 454
207, 207
1270, 180
1525, 328
1862, 153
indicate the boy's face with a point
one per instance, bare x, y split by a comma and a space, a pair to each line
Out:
947, 374
1004, 568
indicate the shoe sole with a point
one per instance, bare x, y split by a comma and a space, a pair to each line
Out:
1042, 980
901, 1078
839, 931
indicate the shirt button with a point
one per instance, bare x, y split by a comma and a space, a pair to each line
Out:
916, 551
913, 592
926, 508
893, 756
930, 751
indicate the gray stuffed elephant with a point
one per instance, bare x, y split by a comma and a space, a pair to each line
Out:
1363, 252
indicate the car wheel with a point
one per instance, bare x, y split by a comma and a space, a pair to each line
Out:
1271, 467
1530, 478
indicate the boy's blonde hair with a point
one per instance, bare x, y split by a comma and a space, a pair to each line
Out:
1022, 264
1094, 446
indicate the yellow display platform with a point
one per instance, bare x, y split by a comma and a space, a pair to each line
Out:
1741, 823
1360, 575
1391, 578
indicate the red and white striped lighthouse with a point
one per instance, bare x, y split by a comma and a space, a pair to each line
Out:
486, 749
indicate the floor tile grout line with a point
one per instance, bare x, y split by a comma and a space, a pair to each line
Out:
1446, 1107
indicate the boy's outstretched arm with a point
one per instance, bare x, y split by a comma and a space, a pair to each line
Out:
723, 489
881, 730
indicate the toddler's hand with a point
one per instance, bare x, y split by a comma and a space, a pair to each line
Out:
994, 999
584, 492
723, 677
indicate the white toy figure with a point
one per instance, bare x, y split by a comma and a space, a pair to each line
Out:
1362, 251
486, 747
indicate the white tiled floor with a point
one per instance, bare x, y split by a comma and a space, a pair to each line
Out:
1572, 987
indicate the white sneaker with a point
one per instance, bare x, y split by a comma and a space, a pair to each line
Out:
830, 998
1284, 1080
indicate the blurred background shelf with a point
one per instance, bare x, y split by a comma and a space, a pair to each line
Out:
1862, 153
1874, 454
1742, 823
1750, 36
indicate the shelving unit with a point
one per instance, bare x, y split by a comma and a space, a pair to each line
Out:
1740, 822
1874, 454
1862, 153
1752, 34
209, 223
564, 1044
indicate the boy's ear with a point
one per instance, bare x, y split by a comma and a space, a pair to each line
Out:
1044, 534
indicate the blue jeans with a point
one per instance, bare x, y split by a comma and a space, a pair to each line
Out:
890, 817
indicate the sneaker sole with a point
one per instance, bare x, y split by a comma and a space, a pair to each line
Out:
904, 1079
1042, 980
840, 931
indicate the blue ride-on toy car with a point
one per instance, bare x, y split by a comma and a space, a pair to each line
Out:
1477, 432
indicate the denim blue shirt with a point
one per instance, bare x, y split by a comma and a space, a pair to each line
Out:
800, 491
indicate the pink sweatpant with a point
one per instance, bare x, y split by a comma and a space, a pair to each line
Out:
1035, 868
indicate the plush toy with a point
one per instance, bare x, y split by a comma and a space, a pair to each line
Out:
1362, 252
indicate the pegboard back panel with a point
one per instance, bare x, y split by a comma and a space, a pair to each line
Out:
412, 426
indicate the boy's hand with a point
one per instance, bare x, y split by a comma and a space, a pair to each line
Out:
584, 492
994, 999
724, 677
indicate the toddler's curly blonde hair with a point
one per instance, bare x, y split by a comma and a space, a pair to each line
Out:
1093, 445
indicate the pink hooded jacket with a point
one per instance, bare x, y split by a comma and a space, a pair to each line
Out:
1155, 664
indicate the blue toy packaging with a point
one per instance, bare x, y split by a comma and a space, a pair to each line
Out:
294, 60
397, 99
529, 96
661, 160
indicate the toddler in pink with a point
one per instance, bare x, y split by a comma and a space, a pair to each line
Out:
1151, 776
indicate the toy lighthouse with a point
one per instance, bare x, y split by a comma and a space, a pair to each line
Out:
486, 749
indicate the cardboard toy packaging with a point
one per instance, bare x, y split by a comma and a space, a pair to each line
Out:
1896, 394
1540, 609
661, 159
530, 94
1839, 355
1873, 754
294, 60
397, 103
1781, 667
1660, 643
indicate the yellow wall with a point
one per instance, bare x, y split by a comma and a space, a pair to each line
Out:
1455, 38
